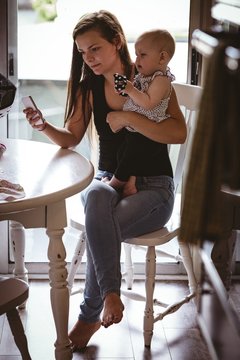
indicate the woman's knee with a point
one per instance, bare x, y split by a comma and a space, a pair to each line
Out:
99, 193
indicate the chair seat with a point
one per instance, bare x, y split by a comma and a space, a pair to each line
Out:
13, 293
154, 238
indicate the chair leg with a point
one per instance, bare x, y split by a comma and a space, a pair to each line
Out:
17, 237
188, 264
17, 241
150, 273
76, 261
128, 266
17, 329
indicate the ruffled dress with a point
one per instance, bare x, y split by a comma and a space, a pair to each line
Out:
158, 113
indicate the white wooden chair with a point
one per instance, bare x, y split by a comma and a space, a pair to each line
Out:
14, 292
189, 99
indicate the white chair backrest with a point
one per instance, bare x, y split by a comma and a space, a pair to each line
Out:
189, 99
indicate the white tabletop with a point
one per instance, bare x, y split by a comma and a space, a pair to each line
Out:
46, 172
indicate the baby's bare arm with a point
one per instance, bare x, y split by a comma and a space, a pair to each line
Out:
158, 90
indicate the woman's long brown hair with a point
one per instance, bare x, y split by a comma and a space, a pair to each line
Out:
81, 75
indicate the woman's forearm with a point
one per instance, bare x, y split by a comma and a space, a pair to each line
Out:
67, 137
169, 131
60, 136
173, 130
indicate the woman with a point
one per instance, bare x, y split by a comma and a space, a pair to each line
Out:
99, 51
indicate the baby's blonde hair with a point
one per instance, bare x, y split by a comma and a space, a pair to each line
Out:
160, 37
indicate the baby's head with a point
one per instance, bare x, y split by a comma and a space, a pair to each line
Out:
154, 46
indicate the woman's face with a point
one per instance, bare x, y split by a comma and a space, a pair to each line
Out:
99, 54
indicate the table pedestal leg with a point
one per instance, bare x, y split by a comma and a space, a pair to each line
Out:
59, 293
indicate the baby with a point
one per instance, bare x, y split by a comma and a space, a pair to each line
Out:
149, 93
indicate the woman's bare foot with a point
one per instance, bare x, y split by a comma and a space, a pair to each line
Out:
113, 310
81, 333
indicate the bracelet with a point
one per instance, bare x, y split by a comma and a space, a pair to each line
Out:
44, 125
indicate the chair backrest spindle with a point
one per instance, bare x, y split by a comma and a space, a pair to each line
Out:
188, 98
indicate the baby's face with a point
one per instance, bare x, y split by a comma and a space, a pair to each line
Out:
148, 57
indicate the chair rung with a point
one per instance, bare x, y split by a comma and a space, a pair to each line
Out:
133, 295
174, 307
79, 291
162, 253
159, 253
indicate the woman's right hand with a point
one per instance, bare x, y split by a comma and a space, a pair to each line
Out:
35, 119
116, 120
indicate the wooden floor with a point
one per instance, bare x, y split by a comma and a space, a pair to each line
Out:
176, 337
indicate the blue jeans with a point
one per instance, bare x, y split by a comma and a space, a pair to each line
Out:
109, 220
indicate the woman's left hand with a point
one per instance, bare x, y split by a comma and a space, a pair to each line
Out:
116, 120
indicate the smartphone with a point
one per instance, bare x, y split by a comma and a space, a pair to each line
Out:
28, 102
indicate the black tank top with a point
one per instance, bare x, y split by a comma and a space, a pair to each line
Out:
126, 153
109, 142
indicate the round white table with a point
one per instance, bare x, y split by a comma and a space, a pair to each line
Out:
48, 175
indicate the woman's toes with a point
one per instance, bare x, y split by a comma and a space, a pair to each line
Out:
113, 310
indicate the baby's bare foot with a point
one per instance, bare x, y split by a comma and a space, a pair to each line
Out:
113, 310
81, 333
